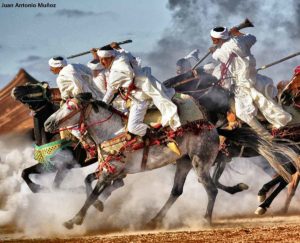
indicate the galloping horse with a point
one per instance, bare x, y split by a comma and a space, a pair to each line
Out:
205, 89
35, 96
198, 150
290, 99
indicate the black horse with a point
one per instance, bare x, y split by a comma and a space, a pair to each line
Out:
37, 98
207, 90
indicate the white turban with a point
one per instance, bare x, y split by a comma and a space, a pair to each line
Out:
57, 62
220, 33
95, 65
106, 53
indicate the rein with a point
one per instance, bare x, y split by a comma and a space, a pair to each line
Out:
225, 68
219, 83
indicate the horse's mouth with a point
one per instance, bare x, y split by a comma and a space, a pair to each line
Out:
50, 126
15, 94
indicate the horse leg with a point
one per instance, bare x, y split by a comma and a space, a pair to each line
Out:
88, 187
98, 204
35, 169
60, 175
262, 193
102, 183
202, 166
262, 208
219, 169
117, 183
291, 192
183, 166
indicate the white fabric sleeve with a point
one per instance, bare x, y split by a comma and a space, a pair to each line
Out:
109, 94
249, 40
99, 82
66, 88
118, 78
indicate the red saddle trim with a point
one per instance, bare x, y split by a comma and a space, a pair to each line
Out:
168, 134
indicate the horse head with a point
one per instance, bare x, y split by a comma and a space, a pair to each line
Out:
34, 95
85, 114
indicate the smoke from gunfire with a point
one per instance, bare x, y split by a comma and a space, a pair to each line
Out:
276, 28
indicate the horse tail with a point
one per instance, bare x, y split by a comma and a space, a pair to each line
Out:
270, 150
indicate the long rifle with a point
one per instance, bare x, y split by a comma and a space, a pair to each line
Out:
279, 61
87, 52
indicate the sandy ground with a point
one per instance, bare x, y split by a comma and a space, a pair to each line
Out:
28, 217
247, 229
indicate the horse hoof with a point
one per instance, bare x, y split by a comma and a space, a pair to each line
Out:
36, 188
261, 198
69, 224
78, 220
207, 220
154, 224
98, 205
243, 186
260, 211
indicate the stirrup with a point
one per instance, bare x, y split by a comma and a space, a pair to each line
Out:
172, 145
155, 125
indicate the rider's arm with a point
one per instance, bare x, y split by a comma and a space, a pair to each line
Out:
66, 88
109, 94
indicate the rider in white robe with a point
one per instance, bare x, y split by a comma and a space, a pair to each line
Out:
100, 75
263, 84
72, 78
234, 52
122, 75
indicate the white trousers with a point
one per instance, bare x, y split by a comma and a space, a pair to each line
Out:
249, 100
137, 113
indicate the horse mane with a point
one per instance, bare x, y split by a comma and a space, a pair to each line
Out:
87, 98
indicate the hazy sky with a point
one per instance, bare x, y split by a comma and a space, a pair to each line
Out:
162, 31
30, 36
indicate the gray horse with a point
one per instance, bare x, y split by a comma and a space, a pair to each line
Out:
198, 150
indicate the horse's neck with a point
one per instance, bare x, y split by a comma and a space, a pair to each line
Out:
295, 83
295, 114
41, 136
101, 129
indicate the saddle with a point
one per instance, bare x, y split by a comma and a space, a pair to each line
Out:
192, 120
187, 107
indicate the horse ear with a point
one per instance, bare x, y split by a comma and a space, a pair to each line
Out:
45, 85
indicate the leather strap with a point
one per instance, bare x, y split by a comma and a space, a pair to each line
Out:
145, 154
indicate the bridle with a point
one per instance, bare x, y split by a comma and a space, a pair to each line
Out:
43, 94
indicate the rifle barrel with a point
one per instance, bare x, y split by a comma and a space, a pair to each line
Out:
87, 52
279, 61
